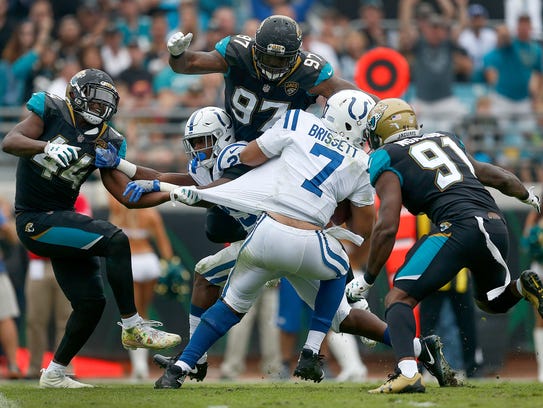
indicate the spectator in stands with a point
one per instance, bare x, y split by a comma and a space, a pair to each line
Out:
90, 56
513, 9
93, 20
44, 71
67, 69
157, 55
22, 51
478, 39
514, 71
136, 71
7, 25
68, 37
9, 310
265, 8
371, 16
134, 25
435, 61
115, 55
354, 46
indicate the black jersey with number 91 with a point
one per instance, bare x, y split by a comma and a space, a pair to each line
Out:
436, 176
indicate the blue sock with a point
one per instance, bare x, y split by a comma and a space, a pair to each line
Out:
216, 321
326, 303
196, 310
386, 338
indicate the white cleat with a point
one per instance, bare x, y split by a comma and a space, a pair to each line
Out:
58, 379
142, 335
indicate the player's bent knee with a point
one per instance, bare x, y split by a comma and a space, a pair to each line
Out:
91, 308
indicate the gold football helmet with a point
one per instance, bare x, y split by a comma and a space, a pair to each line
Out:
389, 120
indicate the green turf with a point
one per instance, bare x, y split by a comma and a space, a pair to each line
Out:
494, 394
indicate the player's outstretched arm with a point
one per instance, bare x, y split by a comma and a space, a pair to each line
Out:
115, 182
505, 181
21, 139
184, 61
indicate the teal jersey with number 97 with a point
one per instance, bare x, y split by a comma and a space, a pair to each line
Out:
254, 102
42, 184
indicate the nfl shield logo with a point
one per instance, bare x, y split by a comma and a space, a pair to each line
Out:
291, 88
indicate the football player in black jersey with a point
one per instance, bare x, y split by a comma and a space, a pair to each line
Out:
56, 147
433, 174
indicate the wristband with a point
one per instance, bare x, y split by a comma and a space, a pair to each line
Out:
370, 279
167, 187
127, 168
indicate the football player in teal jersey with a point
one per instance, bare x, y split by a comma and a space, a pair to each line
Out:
56, 146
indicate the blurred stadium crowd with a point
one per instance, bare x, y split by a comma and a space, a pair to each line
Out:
44, 42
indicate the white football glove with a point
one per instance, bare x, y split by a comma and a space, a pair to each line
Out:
533, 199
178, 43
63, 154
185, 195
358, 288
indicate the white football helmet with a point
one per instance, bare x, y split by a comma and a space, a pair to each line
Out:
208, 128
345, 114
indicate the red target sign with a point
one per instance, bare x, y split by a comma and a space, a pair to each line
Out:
383, 72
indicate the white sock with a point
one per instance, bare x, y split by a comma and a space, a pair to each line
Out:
184, 366
55, 367
131, 321
417, 346
538, 346
314, 341
408, 368
194, 321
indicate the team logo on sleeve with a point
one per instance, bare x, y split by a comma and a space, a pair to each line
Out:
101, 143
291, 88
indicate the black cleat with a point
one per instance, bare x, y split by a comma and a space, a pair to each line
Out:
310, 366
201, 372
173, 377
164, 361
434, 361
532, 289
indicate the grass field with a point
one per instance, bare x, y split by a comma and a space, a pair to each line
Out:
494, 394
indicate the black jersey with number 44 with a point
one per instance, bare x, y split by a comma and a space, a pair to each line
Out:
42, 184
436, 177
256, 103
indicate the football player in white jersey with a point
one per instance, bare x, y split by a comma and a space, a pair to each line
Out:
313, 167
360, 322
